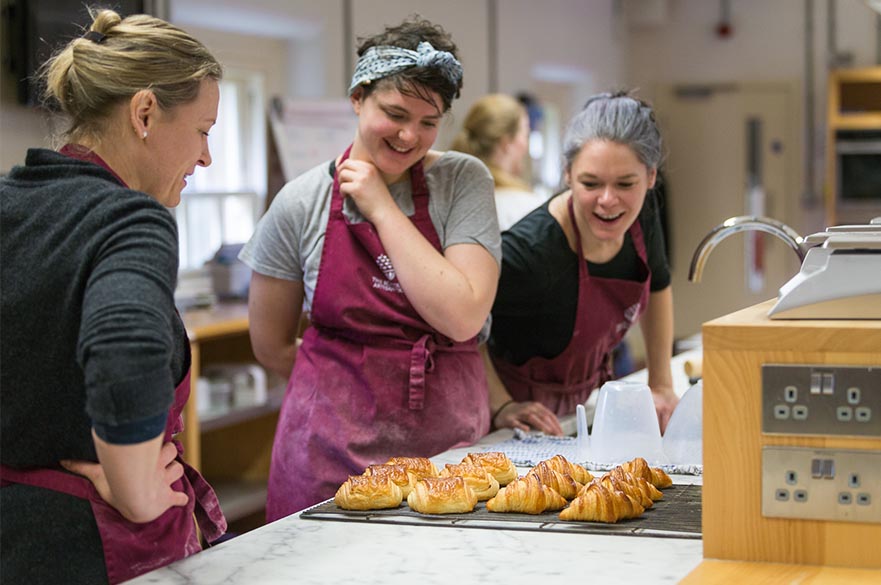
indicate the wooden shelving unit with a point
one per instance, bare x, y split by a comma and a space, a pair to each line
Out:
232, 449
854, 103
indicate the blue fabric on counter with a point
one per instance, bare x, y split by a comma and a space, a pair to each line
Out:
530, 449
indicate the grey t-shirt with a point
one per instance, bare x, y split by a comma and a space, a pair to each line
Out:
288, 241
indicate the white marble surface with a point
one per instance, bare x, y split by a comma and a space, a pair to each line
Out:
293, 550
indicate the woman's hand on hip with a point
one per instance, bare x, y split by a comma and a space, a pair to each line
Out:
363, 182
154, 498
527, 416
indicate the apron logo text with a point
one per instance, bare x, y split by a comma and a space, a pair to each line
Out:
387, 286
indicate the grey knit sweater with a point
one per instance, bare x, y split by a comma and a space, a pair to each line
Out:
88, 336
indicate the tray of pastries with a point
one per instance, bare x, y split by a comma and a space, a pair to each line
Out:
485, 491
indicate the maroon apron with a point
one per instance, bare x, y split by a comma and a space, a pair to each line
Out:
607, 308
372, 379
131, 549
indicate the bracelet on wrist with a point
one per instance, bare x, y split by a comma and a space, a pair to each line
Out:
499, 411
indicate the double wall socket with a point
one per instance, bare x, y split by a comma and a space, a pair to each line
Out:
821, 484
821, 400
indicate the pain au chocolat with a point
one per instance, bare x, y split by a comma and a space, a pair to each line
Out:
442, 495
368, 492
419, 466
399, 474
497, 463
484, 484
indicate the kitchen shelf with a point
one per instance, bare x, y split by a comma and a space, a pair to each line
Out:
212, 420
854, 103
233, 448
240, 499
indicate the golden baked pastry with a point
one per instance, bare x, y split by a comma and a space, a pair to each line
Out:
368, 492
597, 503
560, 483
399, 474
644, 486
526, 495
566, 467
497, 463
442, 495
615, 483
419, 466
478, 478
639, 467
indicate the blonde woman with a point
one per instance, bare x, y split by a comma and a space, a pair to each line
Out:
496, 130
95, 358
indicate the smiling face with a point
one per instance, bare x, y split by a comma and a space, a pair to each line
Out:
609, 185
395, 131
178, 142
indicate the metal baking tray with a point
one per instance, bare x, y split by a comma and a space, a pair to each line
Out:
677, 515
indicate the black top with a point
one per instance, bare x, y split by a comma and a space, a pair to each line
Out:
534, 310
90, 336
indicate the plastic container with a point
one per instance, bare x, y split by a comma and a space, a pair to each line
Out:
683, 438
625, 425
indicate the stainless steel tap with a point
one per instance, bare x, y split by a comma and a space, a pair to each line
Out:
739, 224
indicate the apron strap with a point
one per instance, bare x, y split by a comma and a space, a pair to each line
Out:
50, 479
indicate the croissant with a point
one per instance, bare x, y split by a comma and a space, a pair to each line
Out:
599, 504
368, 492
419, 466
479, 479
639, 467
615, 483
528, 496
566, 467
442, 495
497, 463
645, 487
398, 473
562, 484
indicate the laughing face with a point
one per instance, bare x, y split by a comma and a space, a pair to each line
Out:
609, 185
395, 131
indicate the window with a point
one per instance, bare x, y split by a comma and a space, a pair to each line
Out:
221, 203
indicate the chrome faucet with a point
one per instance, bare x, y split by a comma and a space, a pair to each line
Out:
739, 224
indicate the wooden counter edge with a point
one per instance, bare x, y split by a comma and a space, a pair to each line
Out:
711, 572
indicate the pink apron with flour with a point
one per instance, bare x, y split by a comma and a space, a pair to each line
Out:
607, 308
372, 379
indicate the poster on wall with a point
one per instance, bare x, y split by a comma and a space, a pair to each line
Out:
306, 133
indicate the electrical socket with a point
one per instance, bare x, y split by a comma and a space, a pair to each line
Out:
821, 400
821, 484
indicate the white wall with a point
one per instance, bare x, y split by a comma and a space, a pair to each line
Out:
576, 45
679, 44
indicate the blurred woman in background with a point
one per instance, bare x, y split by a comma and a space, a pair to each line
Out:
496, 130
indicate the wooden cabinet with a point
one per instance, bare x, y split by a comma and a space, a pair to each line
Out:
854, 104
232, 449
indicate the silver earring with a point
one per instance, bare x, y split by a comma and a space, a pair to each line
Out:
144, 136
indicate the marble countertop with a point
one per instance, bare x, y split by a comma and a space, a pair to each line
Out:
324, 551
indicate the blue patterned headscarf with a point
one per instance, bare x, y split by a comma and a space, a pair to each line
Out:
384, 60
